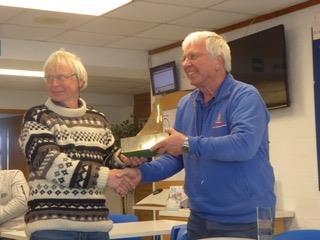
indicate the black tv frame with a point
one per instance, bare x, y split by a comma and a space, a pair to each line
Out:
156, 69
278, 45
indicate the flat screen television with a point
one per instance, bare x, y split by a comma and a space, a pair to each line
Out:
260, 59
164, 78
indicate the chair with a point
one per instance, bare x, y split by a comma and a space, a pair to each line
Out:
122, 218
303, 234
179, 232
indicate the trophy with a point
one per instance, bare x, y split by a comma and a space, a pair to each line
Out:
139, 146
162, 115
152, 133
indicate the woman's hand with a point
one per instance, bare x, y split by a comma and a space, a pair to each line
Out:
132, 161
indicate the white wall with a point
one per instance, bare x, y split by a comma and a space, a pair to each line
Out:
100, 61
117, 108
292, 130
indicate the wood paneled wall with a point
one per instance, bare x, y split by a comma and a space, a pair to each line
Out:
141, 112
12, 125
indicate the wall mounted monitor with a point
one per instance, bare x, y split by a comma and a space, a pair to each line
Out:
164, 78
260, 59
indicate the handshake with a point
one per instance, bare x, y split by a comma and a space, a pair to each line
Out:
124, 180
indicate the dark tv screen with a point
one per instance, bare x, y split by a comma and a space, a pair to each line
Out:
260, 59
164, 78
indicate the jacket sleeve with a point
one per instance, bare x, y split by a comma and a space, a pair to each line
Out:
248, 122
46, 160
19, 190
161, 168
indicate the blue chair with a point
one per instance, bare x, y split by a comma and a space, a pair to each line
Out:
179, 232
303, 234
122, 218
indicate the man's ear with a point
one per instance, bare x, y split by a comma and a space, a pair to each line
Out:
220, 60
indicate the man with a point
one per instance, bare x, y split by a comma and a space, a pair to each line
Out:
220, 138
71, 155
14, 191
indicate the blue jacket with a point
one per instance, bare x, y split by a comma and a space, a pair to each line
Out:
227, 168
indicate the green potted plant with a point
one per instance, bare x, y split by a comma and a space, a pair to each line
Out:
124, 129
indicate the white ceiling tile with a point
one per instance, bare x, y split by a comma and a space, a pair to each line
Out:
210, 19
169, 32
150, 12
8, 12
188, 3
139, 43
116, 26
27, 33
255, 7
85, 38
36, 18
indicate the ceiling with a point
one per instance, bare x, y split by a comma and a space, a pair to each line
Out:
141, 25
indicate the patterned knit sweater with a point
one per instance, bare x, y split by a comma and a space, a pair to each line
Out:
69, 153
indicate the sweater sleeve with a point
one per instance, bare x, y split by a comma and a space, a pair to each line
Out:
18, 189
47, 160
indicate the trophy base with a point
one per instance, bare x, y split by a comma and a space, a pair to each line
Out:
139, 146
140, 153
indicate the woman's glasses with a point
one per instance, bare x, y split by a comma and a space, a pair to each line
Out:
59, 77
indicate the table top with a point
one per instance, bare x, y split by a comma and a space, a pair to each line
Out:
226, 238
121, 230
184, 212
14, 234
149, 207
143, 228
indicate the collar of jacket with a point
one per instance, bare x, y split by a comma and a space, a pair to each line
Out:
223, 91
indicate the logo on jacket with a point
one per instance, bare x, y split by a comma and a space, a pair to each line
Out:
219, 121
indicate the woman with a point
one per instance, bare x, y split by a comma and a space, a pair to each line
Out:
71, 156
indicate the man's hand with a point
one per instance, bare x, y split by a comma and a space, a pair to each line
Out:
119, 183
132, 174
172, 144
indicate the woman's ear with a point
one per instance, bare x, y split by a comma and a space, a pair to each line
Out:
81, 83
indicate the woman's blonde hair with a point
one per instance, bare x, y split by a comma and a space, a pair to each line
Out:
65, 58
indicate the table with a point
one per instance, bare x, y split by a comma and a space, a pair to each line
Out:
226, 238
183, 214
20, 235
143, 228
122, 230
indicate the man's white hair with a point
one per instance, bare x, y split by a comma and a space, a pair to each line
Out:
216, 45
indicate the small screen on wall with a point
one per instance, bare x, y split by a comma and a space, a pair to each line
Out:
164, 78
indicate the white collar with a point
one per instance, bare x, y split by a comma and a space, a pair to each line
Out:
67, 112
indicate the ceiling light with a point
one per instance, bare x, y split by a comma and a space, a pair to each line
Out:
92, 7
25, 73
